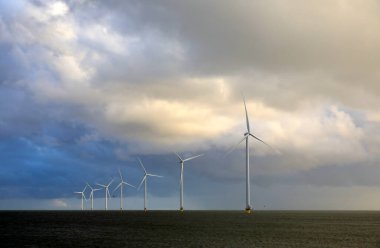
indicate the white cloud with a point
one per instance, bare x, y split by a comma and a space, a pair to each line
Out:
57, 8
59, 203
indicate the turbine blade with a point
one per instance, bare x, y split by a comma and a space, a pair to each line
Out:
110, 182
192, 157
85, 187
261, 141
101, 185
118, 186
128, 184
271, 147
77, 192
246, 115
89, 185
120, 175
108, 192
152, 175
231, 149
179, 157
142, 165
141, 182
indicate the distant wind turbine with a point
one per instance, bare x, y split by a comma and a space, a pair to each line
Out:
145, 181
182, 161
107, 191
248, 207
92, 195
82, 196
120, 185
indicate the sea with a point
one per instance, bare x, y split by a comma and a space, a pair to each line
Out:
190, 229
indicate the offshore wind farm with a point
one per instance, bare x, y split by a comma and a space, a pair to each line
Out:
189, 123
182, 161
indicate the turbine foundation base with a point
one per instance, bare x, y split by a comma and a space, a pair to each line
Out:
181, 209
248, 210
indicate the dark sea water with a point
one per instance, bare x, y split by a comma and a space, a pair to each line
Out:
189, 229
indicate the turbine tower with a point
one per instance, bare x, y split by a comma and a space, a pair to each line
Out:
120, 185
92, 195
107, 191
144, 180
247, 134
182, 161
82, 196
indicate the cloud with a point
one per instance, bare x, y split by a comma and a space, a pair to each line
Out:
89, 85
59, 203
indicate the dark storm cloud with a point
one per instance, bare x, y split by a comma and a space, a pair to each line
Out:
317, 51
40, 170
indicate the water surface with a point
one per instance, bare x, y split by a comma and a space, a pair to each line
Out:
189, 229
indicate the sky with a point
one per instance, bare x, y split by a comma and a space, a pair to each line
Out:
87, 87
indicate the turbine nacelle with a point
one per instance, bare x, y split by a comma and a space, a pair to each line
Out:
146, 174
181, 161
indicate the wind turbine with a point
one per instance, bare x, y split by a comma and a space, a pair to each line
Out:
120, 185
107, 191
247, 134
82, 196
144, 180
182, 161
92, 195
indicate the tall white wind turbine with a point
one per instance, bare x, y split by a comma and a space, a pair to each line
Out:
145, 181
82, 196
120, 185
182, 161
107, 191
248, 134
92, 195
